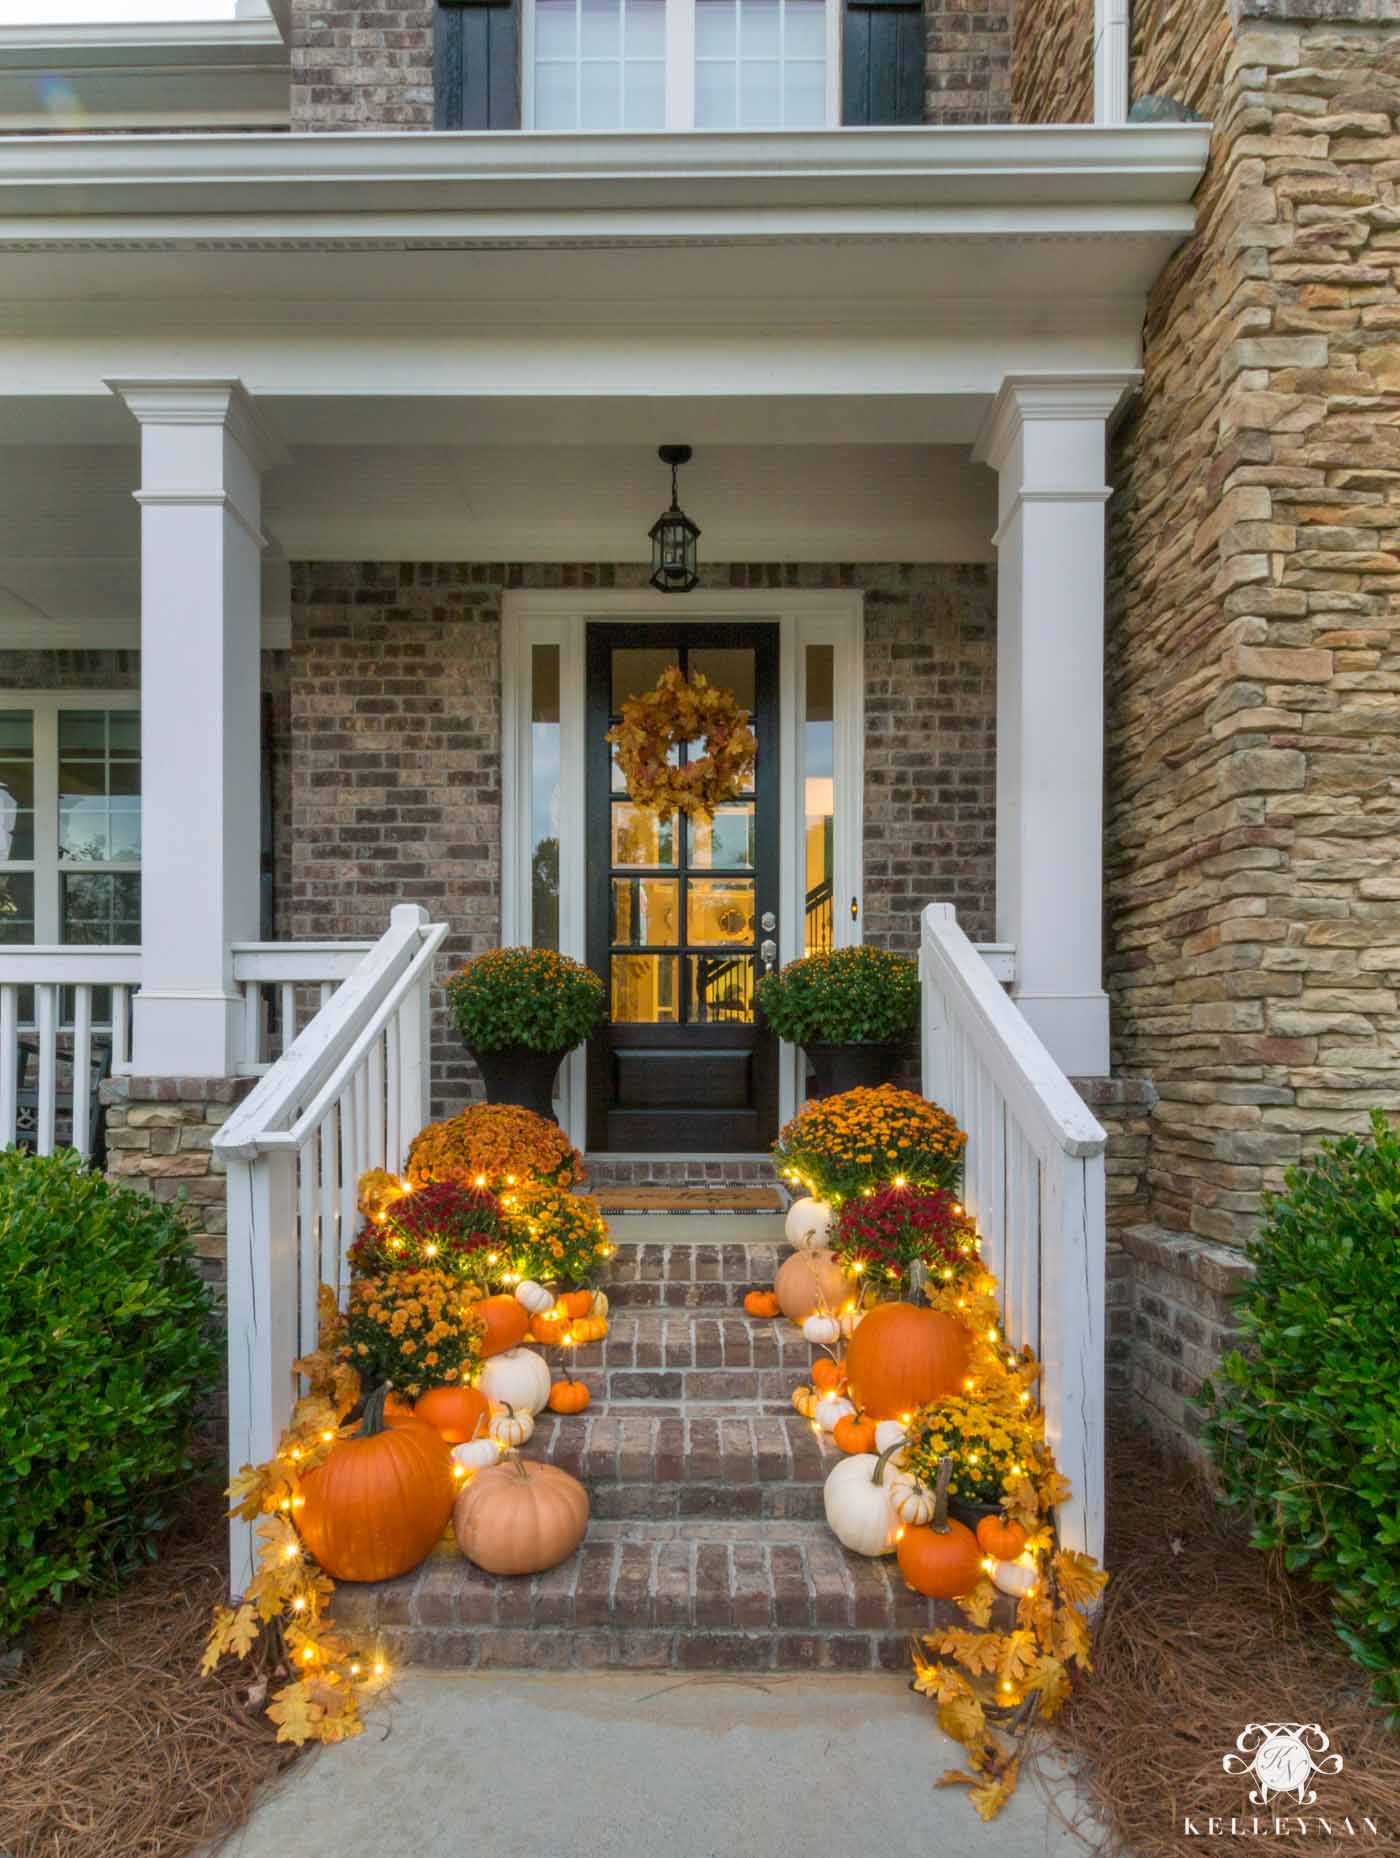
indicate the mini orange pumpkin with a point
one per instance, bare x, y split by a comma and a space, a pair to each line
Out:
548, 1326
577, 1302
940, 1558
853, 1432
506, 1324
761, 1303
379, 1501
455, 1412
568, 1396
1000, 1537
827, 1373
520, 1517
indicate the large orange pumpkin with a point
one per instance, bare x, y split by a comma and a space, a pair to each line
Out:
520, 1517
457, 1412
506, 1322
940, 1559
902, 1356
380, 1500
808, 1281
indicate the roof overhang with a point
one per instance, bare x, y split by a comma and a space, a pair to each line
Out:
426, 191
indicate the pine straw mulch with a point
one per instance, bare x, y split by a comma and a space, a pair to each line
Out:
1200, 1635
111, 1743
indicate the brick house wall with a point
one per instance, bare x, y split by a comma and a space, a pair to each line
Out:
395, 745
370, 66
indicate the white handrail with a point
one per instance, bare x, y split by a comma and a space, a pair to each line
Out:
349, 1094
1034, 1182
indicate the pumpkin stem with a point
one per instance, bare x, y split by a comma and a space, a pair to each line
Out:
877, 1476
939, 1520
373, 1420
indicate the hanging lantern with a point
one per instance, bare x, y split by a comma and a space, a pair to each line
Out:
674, 535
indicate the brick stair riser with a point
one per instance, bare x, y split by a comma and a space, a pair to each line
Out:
690, 1276
730, 1361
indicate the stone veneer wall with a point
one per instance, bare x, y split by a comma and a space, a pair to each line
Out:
395, 745
370, 66
160, 1132
1052, 61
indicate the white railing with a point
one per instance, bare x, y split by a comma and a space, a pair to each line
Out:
350, 1093
1034, 1182
284, 985
65, 1024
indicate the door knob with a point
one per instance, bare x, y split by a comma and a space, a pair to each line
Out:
768, 952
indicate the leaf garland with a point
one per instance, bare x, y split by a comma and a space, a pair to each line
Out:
684, 709
286, 1601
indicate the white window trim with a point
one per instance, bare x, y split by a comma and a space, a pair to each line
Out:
806, 617
46, 863
680, 65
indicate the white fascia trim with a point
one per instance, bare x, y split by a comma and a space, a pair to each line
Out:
527, 188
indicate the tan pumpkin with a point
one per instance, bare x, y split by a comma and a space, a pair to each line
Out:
808, 1281
904, 1355
506, 1323
520, 1517
457, 1412
380, 1500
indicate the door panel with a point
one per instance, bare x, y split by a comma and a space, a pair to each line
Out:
675, 913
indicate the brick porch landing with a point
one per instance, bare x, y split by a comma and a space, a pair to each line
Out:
707, 1548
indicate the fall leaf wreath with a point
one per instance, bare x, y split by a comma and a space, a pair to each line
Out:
684, 709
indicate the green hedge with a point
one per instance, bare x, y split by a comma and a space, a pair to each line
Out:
106, 1344
1305, 1423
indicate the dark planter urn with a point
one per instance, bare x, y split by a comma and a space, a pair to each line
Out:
970, 1513
522, 1076
851, 1067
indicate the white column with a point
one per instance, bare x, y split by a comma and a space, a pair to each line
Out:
202, 455
1112, 39
1045, 436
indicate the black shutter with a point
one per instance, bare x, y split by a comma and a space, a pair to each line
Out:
882, 78
476, 65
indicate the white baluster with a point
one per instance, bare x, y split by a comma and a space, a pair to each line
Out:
46, 1023
328, 1155
374, 1096
82, 1069
9, 1063
121, 1027
287, 1000
349, 1178
252, 1024
308, 1259
393, 1133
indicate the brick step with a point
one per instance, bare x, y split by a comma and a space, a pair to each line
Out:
687, 1273
694, 1595
680, 1356
660, 1467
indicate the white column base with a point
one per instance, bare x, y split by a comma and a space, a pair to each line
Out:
185, 1032
1073, 1028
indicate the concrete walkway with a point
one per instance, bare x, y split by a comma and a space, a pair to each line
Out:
651, 1765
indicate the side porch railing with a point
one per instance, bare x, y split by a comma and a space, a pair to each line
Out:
1034, 1181
349, 1093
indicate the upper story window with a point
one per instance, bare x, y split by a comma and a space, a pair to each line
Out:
680, 64
574, 67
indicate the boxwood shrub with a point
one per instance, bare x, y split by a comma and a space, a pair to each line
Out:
1305, 1420
106, 1344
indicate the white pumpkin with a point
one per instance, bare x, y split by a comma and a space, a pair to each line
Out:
513, 1427
808, 1222
1018, 1577
912, 1501
518, 1378
533, 1297
830, 1408
477, 1455
858, 1509
820, 1329
888, 1432
599, 1305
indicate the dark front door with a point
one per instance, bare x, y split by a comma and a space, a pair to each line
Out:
677, 910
